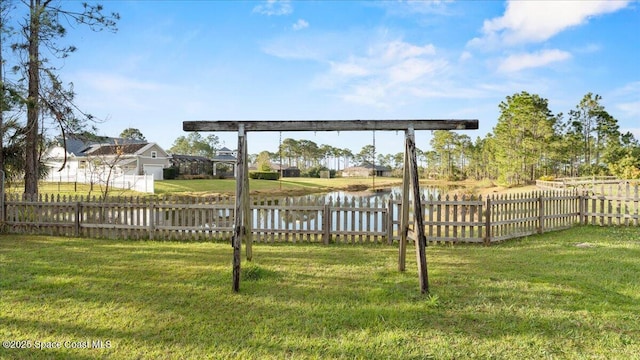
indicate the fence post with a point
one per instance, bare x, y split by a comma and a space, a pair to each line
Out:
487, 222
77, 224
152, 216
582, 216
326, 224
540, 214
390, 221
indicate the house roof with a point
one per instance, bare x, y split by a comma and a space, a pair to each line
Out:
283, 167
224, 158
190, 158
107, 149
367, 166
78, 144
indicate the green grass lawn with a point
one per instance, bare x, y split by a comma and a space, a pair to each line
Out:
225, 186
541, 297
291, 186
284, 186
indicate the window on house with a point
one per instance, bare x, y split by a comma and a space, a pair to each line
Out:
154, 154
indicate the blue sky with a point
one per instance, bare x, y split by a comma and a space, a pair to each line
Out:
172, 61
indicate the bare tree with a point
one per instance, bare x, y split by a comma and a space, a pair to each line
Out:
103, 166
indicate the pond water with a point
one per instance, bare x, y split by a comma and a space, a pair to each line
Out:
381, 195
351, 211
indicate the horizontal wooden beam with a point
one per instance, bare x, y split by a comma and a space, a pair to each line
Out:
330, 125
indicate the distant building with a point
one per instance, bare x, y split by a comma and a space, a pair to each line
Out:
225, 156
94, 154
366, 170
192, 164
286, 171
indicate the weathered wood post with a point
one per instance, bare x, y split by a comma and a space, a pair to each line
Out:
541, 214
77, 222
326, 224
246, 204
418, 217
238, 225
487, 222
404, 213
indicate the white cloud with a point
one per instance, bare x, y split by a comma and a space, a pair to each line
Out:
623, 104
382, 72
517, 62
386, 71
349, 69
589, 49
300, 24
309, 45
631, 109
274, 8
627, 100
413, 69
402, 50
537, 21
411, 7
368, 94
465, 56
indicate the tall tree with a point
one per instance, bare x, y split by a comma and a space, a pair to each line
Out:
263, 161
595, 131
366, 155
310, 153
624, 161
523, 135
195, 144
444, 143
3, 15
346, 155
7, 94
584, 123
132, 134
290, 150
43, 28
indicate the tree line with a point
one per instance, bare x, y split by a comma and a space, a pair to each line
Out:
528, 142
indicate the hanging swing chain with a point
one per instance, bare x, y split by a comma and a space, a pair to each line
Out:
373, 161
280, 151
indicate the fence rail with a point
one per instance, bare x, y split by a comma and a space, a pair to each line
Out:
602, 185
341, 220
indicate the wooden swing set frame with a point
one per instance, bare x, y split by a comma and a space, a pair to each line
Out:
410, 178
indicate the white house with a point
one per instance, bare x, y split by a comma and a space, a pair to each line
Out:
90, 156
130, 159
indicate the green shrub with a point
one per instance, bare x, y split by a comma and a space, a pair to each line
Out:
170, 173
264, 175
313, 172
195, 177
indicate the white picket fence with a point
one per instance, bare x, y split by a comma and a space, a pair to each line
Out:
140, 183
